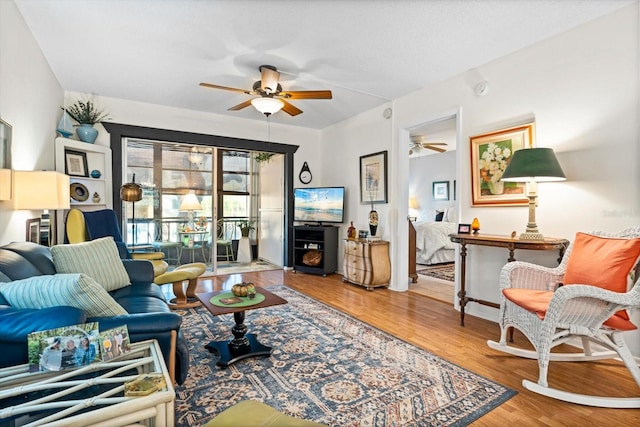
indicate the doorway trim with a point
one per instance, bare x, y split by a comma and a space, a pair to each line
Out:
400, 254
118, 131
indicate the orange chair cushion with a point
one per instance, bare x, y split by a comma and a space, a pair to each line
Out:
537, 302
604, 262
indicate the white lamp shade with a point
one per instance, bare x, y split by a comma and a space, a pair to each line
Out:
190, 203
40, 190
267, 105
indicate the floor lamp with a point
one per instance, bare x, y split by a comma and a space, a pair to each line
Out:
132, 192
533, 165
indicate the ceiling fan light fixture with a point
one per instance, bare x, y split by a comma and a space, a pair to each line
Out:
267, 106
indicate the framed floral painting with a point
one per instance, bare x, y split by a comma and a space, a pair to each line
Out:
490, 154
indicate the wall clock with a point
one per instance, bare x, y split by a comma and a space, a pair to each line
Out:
305, 174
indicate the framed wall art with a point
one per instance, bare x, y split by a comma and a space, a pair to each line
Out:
5, 145
33, 230
440, 190
75, 163
373, 178
490, 154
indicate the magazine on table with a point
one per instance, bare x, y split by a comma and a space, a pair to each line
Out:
63, 348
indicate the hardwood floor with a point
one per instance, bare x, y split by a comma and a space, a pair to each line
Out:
434, 326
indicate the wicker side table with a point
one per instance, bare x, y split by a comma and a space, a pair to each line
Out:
52, 398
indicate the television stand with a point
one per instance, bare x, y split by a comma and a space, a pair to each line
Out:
323, 241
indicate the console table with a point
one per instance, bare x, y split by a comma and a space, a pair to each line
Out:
507, 242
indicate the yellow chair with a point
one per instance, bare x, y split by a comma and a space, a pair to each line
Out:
77, 232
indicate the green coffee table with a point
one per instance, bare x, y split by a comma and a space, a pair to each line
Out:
242, 345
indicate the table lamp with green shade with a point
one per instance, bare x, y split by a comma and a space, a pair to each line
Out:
533, 165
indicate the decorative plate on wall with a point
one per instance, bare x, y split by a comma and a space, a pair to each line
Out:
79, 192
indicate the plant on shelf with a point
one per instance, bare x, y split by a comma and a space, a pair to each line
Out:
246, 226
85, 113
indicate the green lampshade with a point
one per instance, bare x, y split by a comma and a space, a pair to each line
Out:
533, 164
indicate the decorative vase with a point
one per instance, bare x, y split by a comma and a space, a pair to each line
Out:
96, 173
87, 133
496, 187
373, 222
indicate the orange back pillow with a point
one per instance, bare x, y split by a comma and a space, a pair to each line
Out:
601, 261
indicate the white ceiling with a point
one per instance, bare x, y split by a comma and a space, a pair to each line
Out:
365, 52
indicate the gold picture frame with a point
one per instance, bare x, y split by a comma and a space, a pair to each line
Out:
490, 155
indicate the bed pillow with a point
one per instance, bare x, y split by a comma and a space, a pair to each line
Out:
98, 259
76, 290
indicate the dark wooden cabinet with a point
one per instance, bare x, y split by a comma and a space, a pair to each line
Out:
311, 243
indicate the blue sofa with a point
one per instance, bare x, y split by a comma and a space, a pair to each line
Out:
149, 315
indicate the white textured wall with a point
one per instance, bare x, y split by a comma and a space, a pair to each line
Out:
30, 100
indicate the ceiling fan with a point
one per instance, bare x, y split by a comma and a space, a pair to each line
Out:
418, 142
271, 96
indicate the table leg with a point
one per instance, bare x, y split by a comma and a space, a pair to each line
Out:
462, 294
242, 345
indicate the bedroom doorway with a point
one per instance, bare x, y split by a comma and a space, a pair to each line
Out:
433, 205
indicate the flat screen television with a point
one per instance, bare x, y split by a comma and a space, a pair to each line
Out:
318, 204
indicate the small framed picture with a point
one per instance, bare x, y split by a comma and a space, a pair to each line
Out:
75, 163
33, 230
440, 190
464, 228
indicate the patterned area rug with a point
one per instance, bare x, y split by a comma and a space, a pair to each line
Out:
440, 271
331, 368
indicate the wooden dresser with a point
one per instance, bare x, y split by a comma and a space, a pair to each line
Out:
367, 263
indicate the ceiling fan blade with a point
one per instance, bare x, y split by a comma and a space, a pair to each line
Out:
290, 109
240, 106
305, 94
439, 150
232, 89
424, 144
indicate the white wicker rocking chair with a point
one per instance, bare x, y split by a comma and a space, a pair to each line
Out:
574, 311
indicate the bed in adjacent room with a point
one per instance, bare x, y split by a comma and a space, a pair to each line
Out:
433, 245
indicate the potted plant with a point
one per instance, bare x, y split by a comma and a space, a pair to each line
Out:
87, 115
246, 226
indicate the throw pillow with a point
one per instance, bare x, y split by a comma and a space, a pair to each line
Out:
601, 261
439, 216
604, 262
76, 290
98, 259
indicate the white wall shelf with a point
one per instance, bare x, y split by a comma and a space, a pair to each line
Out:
98, 158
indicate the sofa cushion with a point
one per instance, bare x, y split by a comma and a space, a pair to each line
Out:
98, 259
76, 290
